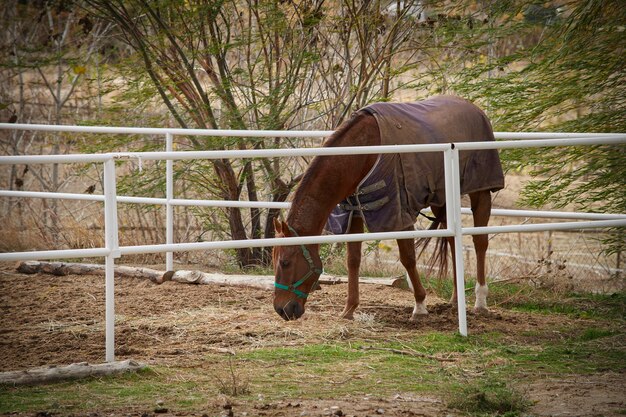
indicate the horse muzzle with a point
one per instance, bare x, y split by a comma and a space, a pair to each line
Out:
293, 310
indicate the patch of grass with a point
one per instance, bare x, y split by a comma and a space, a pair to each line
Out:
489, 397
331, 371
319, 354
590, 306
550, 307
43, 397
594, 333
360, 367
139, 390
608, 306
441, 287
586, 351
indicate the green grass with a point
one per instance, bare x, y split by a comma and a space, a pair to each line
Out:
594, 333
488, 396
333, 370
176, 389
576, 355
85, 394
591, 306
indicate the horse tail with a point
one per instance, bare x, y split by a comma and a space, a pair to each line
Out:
439, 258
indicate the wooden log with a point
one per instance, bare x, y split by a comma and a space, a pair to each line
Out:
199, 277
47, 374
398, 282
66, 268
158, 277
184, 276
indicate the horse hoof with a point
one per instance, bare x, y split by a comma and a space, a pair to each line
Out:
481, 311
417, 317
347, 315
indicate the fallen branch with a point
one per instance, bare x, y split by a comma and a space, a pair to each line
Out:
158, 277
187, 277
199, 277
47, 374
408, 353
399, 282
65, 268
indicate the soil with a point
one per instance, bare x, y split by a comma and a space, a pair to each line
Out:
49, 319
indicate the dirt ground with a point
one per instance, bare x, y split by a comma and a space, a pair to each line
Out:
60, 320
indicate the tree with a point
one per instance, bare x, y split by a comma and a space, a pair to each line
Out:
575, 81
258, 64
541, 66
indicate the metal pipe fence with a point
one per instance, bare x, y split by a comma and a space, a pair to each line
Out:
455, 229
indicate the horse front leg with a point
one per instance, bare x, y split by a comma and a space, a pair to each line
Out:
353, 263
480, 245
407, 258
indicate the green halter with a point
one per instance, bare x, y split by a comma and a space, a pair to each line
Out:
312, 270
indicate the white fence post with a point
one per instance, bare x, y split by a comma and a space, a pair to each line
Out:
169, 208
453, 218
112, 244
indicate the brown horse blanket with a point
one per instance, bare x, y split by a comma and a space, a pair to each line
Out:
399, 186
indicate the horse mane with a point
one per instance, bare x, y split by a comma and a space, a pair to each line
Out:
332, 140
305, 206
344, 127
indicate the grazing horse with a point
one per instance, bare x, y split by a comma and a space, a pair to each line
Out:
331, 180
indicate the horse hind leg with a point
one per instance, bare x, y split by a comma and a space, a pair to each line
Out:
481, 211
407, 258
353, 262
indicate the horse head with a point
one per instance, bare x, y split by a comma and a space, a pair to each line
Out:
297, 269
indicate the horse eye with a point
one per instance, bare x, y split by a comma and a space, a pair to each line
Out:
284, 263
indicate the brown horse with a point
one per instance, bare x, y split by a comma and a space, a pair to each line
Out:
330, 179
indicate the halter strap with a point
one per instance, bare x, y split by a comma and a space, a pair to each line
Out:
312, 270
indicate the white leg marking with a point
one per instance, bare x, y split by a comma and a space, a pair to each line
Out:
481, 297
419, 310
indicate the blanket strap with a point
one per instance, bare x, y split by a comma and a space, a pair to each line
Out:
371, 206
431, 218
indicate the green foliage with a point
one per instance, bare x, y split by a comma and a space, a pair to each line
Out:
539, 67
442, 286
333, 257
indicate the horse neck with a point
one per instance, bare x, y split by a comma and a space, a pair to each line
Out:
330, 179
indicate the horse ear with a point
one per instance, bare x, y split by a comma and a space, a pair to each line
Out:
278, 227
286, 231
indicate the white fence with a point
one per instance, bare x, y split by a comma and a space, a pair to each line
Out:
112, 250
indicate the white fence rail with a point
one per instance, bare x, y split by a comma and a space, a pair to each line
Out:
112, 250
